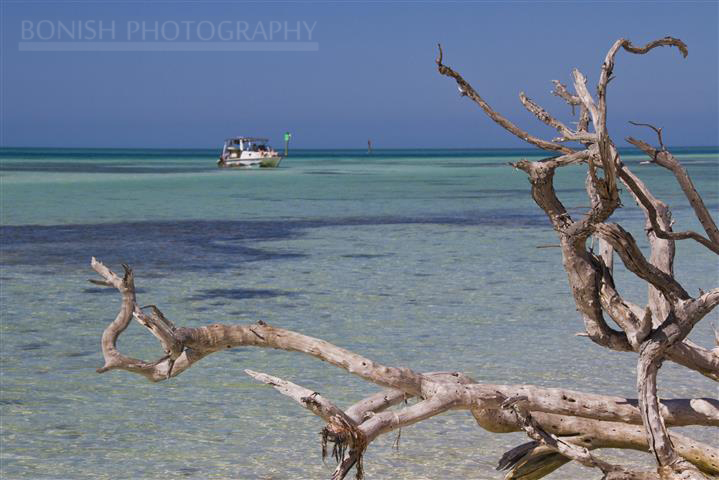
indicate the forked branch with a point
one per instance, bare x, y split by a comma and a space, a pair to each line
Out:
352, 430
665, 159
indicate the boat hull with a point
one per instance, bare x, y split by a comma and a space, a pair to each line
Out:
264, 162
271, 162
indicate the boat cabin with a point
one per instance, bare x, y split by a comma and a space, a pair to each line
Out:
235, 146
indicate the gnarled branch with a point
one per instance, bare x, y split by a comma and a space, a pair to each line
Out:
667, 160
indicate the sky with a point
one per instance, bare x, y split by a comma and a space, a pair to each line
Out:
367, 71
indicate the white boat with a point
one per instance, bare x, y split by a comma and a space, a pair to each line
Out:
245, 152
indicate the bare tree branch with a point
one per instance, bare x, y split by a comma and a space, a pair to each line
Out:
466, 89
575, 452
668, 161
652, 216
561, 91
658, 131
671, 317
633, 258
309, 399
600, 123
567, 134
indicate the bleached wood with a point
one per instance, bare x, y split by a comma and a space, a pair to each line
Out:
309, 399
216, 337
466, 90
668, 161
660, 331
544, 116
563, 424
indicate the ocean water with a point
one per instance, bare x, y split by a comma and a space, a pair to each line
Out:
418, 258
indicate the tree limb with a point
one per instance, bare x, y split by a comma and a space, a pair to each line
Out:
544, 116
668, 161
466, 90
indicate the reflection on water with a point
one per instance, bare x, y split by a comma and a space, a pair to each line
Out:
395, 256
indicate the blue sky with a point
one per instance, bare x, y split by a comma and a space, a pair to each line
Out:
373, 75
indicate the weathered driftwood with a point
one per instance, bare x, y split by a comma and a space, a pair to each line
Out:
563, 425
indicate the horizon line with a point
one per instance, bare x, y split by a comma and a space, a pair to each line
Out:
627, 146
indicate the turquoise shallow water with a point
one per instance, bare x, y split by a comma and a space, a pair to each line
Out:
376, 254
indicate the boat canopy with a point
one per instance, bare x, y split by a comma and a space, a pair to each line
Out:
237, 140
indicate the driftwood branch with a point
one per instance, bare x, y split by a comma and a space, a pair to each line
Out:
217, 337
309, 399
567, 134
352, 430
569, 450
667, 160
658, 131
563, 425
572, 100
466, 89
657, 331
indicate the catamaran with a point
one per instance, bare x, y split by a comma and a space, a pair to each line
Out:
247, 152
